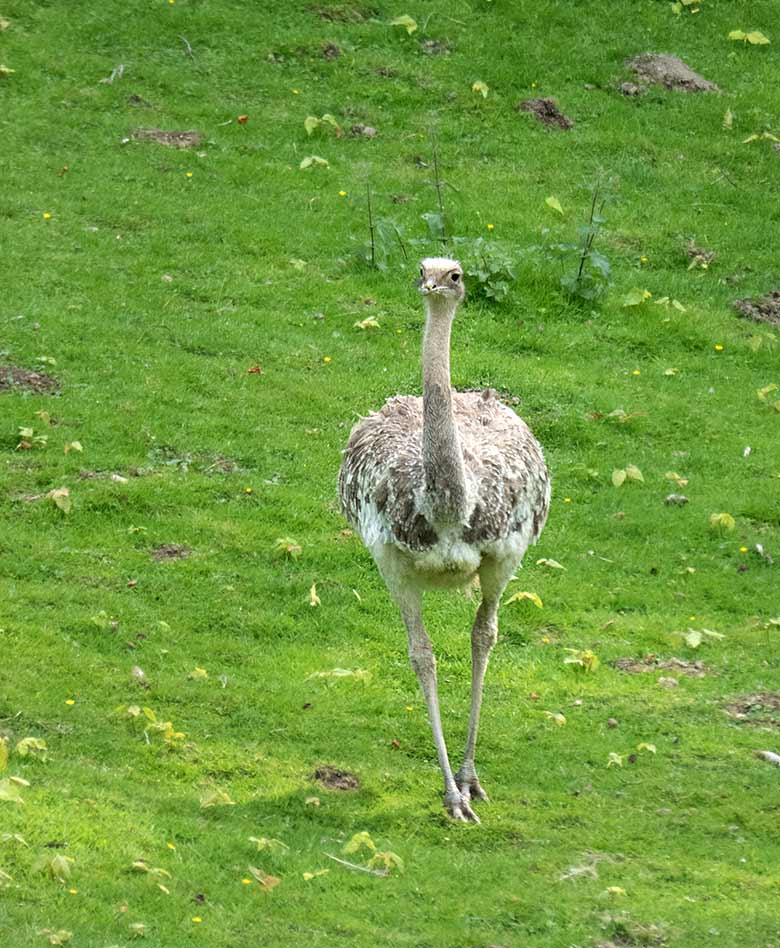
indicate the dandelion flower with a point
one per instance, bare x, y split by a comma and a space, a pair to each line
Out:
69, 701
719, 348
643, 259
636, 372
47, 216
197, 919
342, 194
246, 881
490, 226
743, 549
170, 846
327, 360
296, 91
189, 174
567, 500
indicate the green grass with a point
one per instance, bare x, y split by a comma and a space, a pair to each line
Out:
154, 384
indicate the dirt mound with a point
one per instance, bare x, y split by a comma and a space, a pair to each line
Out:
170, 551
669, 71
190, 139
13, 378
335, 779
650, 663
762, 309
761, 708
547, 111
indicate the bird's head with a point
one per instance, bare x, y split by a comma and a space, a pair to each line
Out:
441, 279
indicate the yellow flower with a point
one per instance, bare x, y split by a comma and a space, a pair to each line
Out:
643, 259
490, 226
197, 919
247, 490
533, 85
342, 194
170, 846
246, 881
47, 216
567, 500
327, 360
73, 891
636, 372
69, 701
743, 549
296, 91
410, 707
189, 174
719, 348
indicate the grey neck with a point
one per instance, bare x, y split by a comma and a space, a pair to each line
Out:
445, 474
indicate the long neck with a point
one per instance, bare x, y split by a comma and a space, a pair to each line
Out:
445, 475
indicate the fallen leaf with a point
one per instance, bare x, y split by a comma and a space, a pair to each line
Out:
314, 599
198, 673
480, 87
359, 841
728, 119
359, 673
308, 876
368, 323
72, 446
10, 792
61, 498
643, 745
553, 564
618, 477
556, 717
272, 845
265, 881
554, 203
30, 747
312, 161
583, 658
59, 937
615, 759
636, 297
531, 596
409, 24
723, 522
215, 798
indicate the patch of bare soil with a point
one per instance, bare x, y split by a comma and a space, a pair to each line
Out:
189, 139
330, 51
362, 131
13, 378
547, 111
699, 255
762, 708
670, 71
434, 47
761, 309
170, 551
335, 779
680, 666
343, 13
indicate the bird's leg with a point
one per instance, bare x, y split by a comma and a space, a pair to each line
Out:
493, 577
424, 664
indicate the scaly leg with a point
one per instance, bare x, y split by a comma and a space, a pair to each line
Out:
424, 663
493, 577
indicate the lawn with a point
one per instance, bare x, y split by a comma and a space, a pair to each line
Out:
189, 632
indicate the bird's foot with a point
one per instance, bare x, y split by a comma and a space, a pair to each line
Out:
457, 805
469, 785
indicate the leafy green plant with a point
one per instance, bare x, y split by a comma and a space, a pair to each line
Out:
490, 268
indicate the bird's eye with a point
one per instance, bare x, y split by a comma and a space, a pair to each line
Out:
455, 277
422, 272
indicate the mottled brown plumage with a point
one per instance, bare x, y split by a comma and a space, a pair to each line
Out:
443, 488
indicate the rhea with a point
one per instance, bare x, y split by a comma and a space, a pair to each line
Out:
443, 489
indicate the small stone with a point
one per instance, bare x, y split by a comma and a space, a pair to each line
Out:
668, 682
612, 722
679, 500
630, 89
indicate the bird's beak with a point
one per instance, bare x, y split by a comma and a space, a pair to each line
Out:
427, 285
